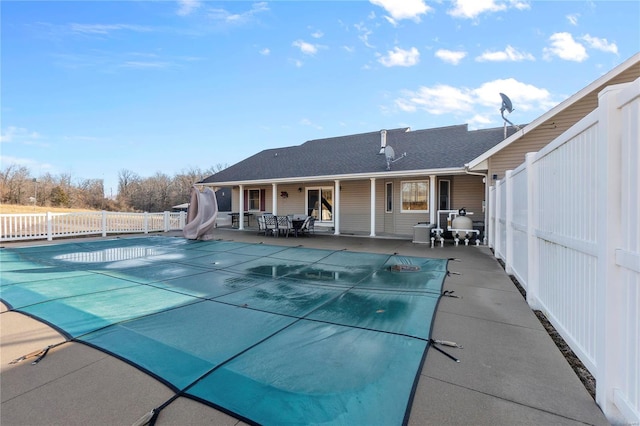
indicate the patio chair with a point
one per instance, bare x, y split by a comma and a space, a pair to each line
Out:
285, 225
304, 228
270, 224
311, 226
262, 227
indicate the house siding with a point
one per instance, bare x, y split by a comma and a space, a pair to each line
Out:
468, 191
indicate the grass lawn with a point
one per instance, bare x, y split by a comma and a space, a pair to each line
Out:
17, 208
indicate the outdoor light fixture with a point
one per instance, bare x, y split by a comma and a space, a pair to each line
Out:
300, 189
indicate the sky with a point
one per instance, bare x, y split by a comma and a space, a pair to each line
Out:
91, 88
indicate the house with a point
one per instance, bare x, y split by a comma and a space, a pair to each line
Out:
349, 186
353, 185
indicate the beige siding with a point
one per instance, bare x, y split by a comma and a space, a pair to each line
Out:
512, 156
355, 201
468, 191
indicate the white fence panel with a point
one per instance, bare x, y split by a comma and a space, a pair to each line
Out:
519, 252
573, 207
567, 171
16, 227
491, 226
501, 220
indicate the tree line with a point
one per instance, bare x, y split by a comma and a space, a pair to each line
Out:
135, 193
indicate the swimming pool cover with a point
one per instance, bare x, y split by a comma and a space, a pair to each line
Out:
266, 333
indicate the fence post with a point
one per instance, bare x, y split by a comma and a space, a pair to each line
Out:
496, 225
49, 226
104, 223
533, 274
489, 230
166, 221
145, 221
609, 290
508, 223
183, 219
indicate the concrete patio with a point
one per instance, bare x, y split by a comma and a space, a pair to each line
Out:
510, 371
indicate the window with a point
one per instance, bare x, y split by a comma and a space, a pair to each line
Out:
389, 198
415, 197
254, 199
444, 195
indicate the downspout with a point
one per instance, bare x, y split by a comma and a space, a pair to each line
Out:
486, 198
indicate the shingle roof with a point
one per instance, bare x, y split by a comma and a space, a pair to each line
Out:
430, 149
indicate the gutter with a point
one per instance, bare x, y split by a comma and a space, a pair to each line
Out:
352, 176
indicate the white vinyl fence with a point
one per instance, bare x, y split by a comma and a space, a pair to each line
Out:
35, 226
566, 223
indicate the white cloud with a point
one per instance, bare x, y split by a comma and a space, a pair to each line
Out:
600, 44
20, 135
29, 163
565, 47
478, 105
471, 9
450, 56
307, 122
145, 64
363, 34
106, 28
306, 48
265, 52
187, 6
404, 9
438, 100
317, 34
238, 18
400, 57
509, 54
525, 97
573, 18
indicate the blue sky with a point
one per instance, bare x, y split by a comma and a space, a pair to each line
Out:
90, 88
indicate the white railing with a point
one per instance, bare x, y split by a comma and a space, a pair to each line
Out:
572, 239
35, 226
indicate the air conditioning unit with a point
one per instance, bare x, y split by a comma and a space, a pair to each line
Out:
422, 233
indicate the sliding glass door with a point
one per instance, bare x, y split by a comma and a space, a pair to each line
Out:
320, 203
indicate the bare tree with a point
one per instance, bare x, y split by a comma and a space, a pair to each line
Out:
126, 181
16, 185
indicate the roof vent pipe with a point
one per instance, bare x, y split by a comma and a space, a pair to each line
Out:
383, 141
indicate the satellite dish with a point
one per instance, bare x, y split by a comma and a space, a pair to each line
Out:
390, 156
508, 106
506, 103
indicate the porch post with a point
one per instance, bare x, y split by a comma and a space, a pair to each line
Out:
373, 207
433, 206
241, 208
274, 198
336, 208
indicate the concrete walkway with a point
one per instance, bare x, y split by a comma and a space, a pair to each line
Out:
510, 371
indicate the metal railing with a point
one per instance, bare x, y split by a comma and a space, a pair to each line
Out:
37, 226
567, 225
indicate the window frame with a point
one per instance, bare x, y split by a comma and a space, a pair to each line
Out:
259, 199
388, 197
424, 182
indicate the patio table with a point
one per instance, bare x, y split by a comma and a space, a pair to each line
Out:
235, 217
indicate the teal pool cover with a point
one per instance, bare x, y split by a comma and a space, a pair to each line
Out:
266, 333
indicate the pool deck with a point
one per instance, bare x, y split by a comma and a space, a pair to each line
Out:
510, 371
